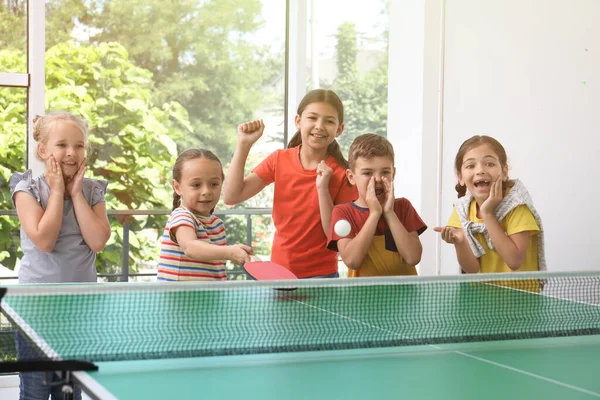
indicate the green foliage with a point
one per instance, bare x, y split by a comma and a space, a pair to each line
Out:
13, 30
364, 95
200, 55
152, 77
132, 140
347, 49
62, 17
13, 111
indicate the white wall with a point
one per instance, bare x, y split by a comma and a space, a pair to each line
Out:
527, 72
405, 115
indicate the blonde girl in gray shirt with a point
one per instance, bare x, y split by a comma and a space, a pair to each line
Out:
63, 219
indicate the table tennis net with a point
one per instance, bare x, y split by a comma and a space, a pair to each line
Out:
109, 322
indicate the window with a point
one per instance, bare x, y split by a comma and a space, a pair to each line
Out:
152, 82
13, 104
13, 35
13, 126
347, 51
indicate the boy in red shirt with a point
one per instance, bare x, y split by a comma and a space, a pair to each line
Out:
384, 231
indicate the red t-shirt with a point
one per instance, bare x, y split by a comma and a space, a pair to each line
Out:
300, 243
382, 258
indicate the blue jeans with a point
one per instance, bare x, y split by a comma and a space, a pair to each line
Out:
334, 275
38, 385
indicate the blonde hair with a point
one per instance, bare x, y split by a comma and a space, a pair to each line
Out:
43, 123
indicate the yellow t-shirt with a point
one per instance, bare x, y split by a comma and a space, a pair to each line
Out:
380, 262
520, 219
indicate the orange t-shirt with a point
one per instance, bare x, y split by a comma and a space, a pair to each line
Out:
300, 243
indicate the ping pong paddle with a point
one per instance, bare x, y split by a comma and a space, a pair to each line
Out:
269, 271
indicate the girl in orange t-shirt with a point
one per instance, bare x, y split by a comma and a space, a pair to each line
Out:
309, 177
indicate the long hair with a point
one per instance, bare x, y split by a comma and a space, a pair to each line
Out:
188, 155
331, 98
475, 141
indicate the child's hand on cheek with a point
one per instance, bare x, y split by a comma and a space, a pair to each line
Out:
75, 182
489, 205
54, 175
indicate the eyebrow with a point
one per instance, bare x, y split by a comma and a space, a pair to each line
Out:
216, 177
326, 116
64, 141
484, 157
372, 169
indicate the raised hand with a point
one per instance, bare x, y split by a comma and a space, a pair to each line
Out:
388, 204
489, 205
75, 183
250, 132
371, 198
324, 173
450, 234
54, 175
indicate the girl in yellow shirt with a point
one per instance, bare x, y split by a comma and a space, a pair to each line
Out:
494, 226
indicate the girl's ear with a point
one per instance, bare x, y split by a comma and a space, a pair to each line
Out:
297, 121
339, 130
42, 151
176, 187
504, 173
460, 181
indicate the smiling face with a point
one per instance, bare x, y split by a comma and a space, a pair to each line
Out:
66, 142
200, 184
480, 167
319, 125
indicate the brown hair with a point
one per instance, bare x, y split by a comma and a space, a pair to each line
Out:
43, 123
188, 155
476, 141
369, 145
329, 97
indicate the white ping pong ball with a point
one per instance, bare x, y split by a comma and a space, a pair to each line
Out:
342, 228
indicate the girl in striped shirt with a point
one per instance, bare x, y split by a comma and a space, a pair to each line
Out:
193, 244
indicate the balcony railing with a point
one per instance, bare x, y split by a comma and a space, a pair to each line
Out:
125, 273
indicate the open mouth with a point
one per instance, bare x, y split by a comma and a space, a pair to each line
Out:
482, 184
379, 192
316, 136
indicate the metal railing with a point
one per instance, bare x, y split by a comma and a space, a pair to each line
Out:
125, 274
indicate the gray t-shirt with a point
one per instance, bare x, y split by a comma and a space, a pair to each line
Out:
71, 260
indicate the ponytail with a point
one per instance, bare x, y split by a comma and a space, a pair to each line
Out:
334, 150
295, 141
176, 200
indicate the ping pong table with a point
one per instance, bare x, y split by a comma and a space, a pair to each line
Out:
424, 337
